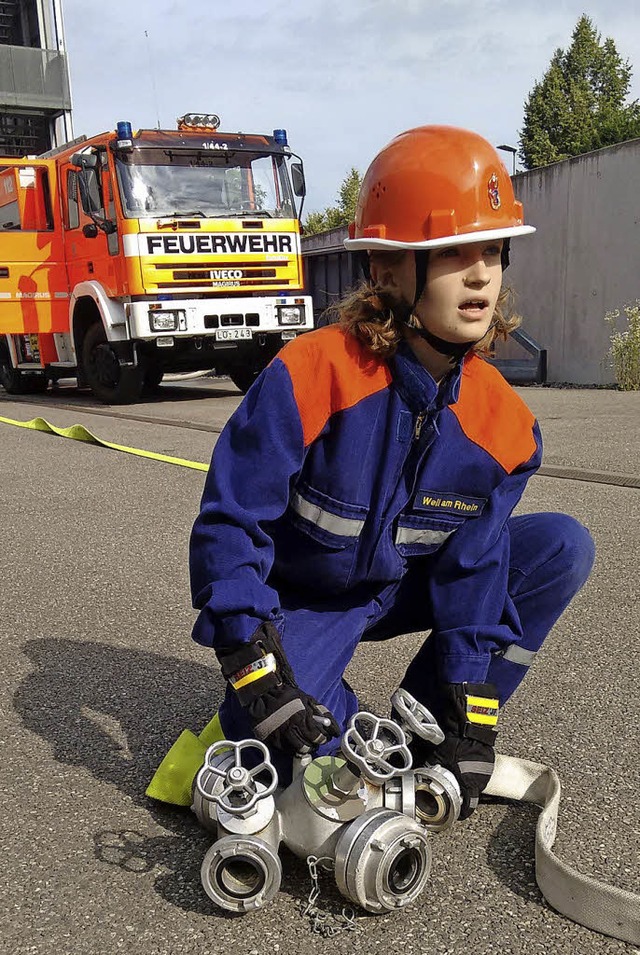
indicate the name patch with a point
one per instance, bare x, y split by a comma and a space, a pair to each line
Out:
442, 502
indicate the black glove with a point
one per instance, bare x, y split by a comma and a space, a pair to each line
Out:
283, 715
467, 714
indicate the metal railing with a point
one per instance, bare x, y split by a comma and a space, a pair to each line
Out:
524, 371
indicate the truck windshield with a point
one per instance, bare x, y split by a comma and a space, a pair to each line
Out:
159, 183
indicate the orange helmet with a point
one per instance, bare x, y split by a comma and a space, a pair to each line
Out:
435, 186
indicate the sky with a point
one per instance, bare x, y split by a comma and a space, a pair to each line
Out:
343, 77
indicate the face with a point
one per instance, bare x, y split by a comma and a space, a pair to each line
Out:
461, 291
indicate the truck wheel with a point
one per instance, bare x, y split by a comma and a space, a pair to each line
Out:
110, 381
243, 378
153, 375
10, 378
15, 382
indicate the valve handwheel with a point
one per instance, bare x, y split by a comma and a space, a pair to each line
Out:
371, 742
242, 790
416, 717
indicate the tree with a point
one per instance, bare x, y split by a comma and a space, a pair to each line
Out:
580, 103
343, 212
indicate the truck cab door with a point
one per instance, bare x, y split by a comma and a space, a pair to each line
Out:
92, 251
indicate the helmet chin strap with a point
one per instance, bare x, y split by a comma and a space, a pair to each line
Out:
453, 350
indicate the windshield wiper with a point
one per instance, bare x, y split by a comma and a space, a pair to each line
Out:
240, 215
253, 214
230, 214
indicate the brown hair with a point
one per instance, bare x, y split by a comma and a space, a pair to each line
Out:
367, 315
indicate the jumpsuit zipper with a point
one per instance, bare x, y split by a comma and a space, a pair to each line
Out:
419, 423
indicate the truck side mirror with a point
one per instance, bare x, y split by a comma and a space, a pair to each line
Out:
84, 160
90, 230
297, 178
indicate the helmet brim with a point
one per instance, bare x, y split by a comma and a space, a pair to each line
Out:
465, 238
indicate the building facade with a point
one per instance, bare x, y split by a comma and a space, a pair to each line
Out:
35, 93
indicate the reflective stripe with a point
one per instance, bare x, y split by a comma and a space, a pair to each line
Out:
420, 535
278, 718
254, 671
130, 245
517, 654
340, 526
475, 766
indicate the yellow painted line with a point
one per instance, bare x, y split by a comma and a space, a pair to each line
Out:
77, 432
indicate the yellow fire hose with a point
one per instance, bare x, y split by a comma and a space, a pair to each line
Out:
77, 432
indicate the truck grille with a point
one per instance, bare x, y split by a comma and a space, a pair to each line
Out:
221, 275
204, 275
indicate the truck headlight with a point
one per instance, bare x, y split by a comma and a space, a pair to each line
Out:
290, 314
164, 321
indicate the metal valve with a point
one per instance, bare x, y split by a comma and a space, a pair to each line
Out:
438, 798
241, 790
416, 718
371, 742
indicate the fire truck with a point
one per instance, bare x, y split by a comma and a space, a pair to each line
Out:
130, 255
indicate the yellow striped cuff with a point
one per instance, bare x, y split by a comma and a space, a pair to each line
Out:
482, 710
255, 671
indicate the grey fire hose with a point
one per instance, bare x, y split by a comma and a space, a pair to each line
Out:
604, 908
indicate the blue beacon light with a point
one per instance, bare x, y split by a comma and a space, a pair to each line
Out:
124, 134
280, 136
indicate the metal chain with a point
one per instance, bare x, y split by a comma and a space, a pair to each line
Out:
323, 923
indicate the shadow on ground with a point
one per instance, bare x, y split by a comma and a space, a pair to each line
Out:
82, 398
511, 851
116, 712
113, 710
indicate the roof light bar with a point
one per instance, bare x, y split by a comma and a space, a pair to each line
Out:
206, 121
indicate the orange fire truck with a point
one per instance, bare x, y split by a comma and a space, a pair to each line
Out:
126, 256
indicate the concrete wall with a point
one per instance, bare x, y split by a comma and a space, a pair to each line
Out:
583, 261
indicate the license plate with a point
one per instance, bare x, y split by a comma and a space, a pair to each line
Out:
287, 336
233, 334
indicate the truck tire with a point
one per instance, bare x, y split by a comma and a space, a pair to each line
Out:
15, 382
110, 381
248, 365
153, 375
243, 378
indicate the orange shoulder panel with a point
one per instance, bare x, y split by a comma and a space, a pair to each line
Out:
493, 416
330, 371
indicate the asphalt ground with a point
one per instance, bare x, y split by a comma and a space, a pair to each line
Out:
101, 676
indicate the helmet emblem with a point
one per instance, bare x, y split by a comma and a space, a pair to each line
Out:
494, 192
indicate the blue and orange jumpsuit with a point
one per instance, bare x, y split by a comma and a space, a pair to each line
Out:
350, 497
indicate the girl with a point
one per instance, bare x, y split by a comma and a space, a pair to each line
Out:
365, 485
